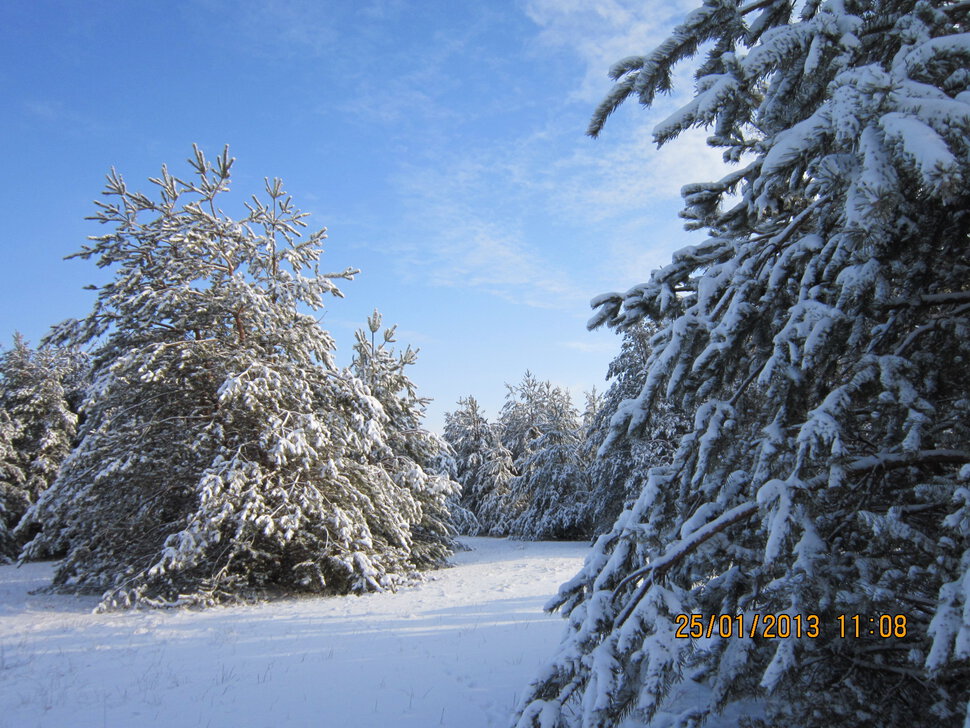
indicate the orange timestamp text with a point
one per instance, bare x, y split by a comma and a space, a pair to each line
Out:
784, 626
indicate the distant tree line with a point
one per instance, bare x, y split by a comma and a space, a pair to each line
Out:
535, 473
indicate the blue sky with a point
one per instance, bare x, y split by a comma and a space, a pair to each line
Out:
440, 143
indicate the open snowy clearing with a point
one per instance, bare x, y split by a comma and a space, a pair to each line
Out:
454, 651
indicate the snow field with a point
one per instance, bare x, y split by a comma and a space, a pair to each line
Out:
456, 650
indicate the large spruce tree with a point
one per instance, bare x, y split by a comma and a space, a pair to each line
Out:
40, 388
222, 452
13, 495
820, 337
411, 451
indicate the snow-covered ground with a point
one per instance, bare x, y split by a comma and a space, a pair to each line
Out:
454, 651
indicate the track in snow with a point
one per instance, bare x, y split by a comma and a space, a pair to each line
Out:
456, 650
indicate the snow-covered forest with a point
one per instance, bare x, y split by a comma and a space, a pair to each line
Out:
775, 479
535, 474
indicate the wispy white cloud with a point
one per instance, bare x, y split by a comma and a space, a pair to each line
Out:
551, 219
600, 180
407, 89
544, 216
463, 247
401, 99
415, 78
621, 183
622, 170
412, 337
601, 33
381, 9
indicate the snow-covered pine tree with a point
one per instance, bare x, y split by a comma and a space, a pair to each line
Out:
471, 438
40, 388
541, 428
494, 509
13, 495
484, 467
552, 479
222, 453
821, 336
40, 391
463, 520
521, 414
591, 412
411, 450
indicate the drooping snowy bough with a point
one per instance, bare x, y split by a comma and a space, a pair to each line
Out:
821, 338
616, 480
222, 451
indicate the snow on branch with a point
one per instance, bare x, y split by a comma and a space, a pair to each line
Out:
678, 550
891, 461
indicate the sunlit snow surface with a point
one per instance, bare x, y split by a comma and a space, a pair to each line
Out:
454, 651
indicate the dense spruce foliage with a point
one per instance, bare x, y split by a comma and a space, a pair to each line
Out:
618, 466
223, 453
542, 471
543, 432
13, 495
481, 464
525, 475
40, 391
498, 463
819, 337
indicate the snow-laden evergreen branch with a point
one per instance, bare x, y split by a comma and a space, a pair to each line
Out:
818, 340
